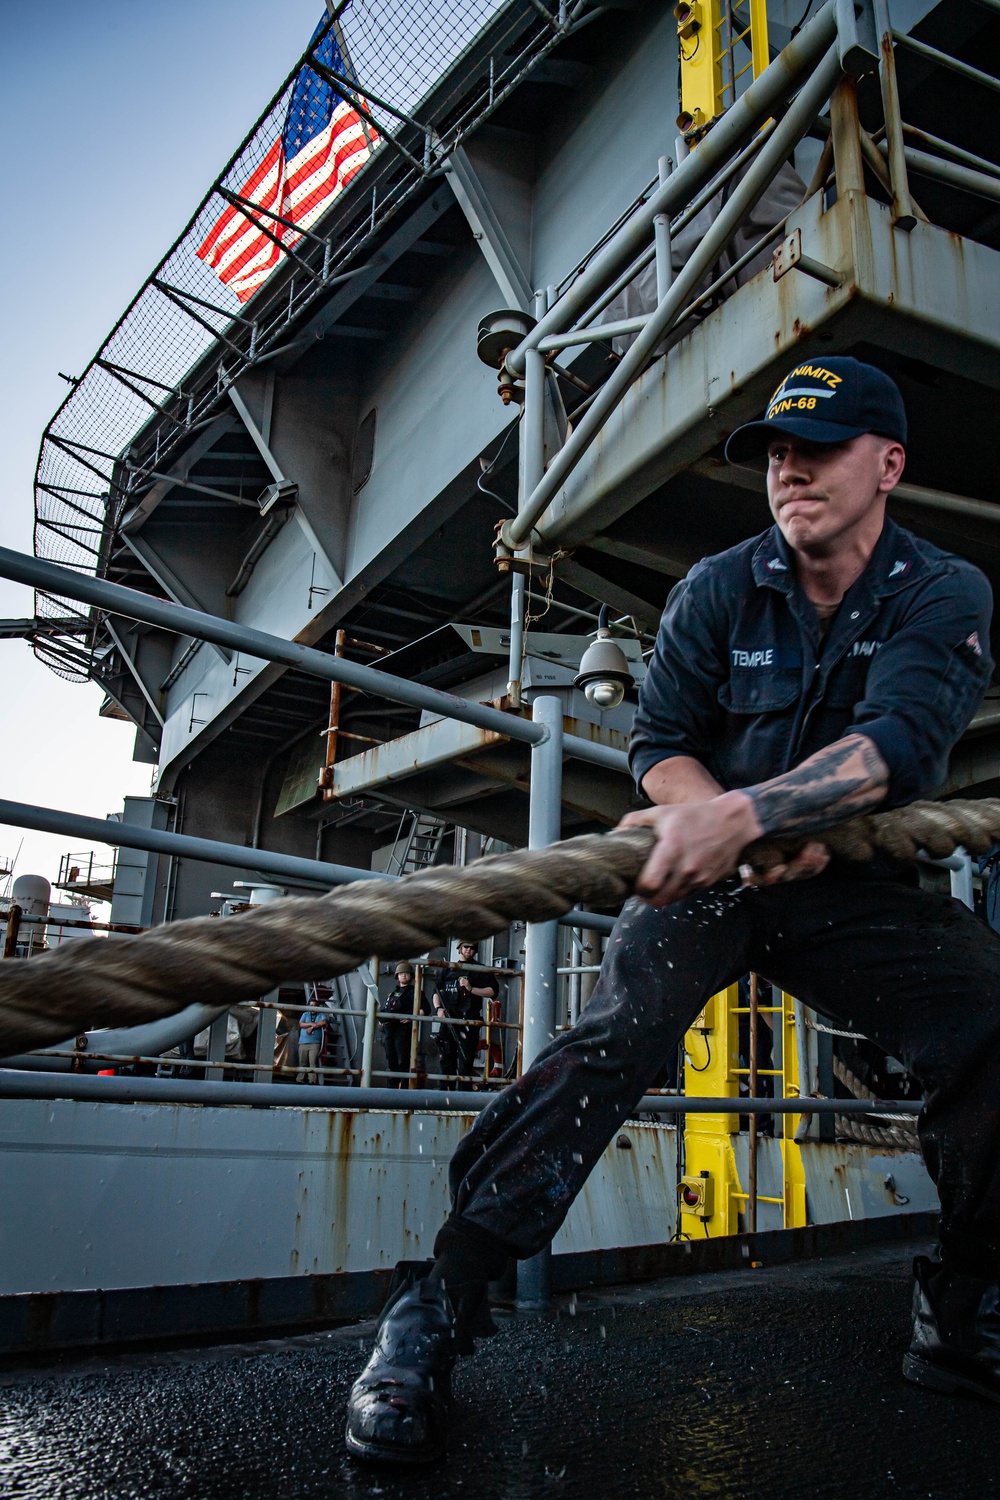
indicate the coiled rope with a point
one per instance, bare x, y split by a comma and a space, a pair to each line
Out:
897, 1135
204, 960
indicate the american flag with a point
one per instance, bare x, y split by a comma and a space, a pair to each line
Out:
323, 144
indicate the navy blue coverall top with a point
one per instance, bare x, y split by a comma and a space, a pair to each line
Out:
741, 681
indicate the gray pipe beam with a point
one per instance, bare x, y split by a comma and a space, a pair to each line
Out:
112, 597
266, 861
591, 919
541, 944
182, 845
84, 1086
151, 1039
540, 939
959, 505
64, 582
575, 747
950, 172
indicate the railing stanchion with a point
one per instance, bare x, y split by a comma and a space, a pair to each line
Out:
661, 239
371, 1010
217, 1035
541, 955
903, 213
267, 1031
516, 654
847, 157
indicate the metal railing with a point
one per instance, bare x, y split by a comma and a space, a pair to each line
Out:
85, 872
747, 146
19, 1085
803, 77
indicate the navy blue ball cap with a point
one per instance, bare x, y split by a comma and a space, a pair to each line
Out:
825, 401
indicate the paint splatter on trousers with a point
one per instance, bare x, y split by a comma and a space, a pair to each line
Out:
915, 972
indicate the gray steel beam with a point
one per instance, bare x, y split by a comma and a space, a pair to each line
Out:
591, 919
129, 662
945, 60
15, 1084
488, 230
151, 1039
194, 453
396, 245
911, 494
622, 600
175, 588
953, 174
259, 438
640, 557
575, 747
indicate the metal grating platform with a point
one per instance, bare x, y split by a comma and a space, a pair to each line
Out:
777, 1382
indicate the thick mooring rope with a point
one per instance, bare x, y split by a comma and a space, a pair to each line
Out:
208, 961
899, 1135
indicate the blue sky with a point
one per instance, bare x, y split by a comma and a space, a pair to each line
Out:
116, 115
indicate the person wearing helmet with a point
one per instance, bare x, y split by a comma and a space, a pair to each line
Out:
819, 670
396, 1026
459, 996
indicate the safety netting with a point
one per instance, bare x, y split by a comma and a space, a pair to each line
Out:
214, 303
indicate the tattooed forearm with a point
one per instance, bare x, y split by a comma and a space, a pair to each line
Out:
836, 783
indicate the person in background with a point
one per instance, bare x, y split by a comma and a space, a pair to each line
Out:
459, 995
312, 1034
397, 1030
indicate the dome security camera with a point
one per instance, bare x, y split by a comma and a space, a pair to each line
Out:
604, 672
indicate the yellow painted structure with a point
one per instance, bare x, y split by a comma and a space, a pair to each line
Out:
711, 1197
721, 42
793, 1168
711, 1064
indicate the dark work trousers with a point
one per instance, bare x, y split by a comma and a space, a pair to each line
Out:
396, 1041
915, 972
457, 1047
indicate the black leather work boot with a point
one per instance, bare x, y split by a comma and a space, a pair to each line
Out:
397, 1411
956, 1331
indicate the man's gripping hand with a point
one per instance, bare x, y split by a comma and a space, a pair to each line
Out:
700, 836
696, 845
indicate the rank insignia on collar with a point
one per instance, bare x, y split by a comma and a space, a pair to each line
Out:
775, 565
899, 568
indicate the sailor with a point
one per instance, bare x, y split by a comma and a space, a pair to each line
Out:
459, 995
822, 669
396, 1025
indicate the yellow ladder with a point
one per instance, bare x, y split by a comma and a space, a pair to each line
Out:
721, 41
711, 1196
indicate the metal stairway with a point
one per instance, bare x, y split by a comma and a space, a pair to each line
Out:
417, 849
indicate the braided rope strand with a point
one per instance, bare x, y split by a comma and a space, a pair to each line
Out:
297, 939
899, 1135
204, 960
